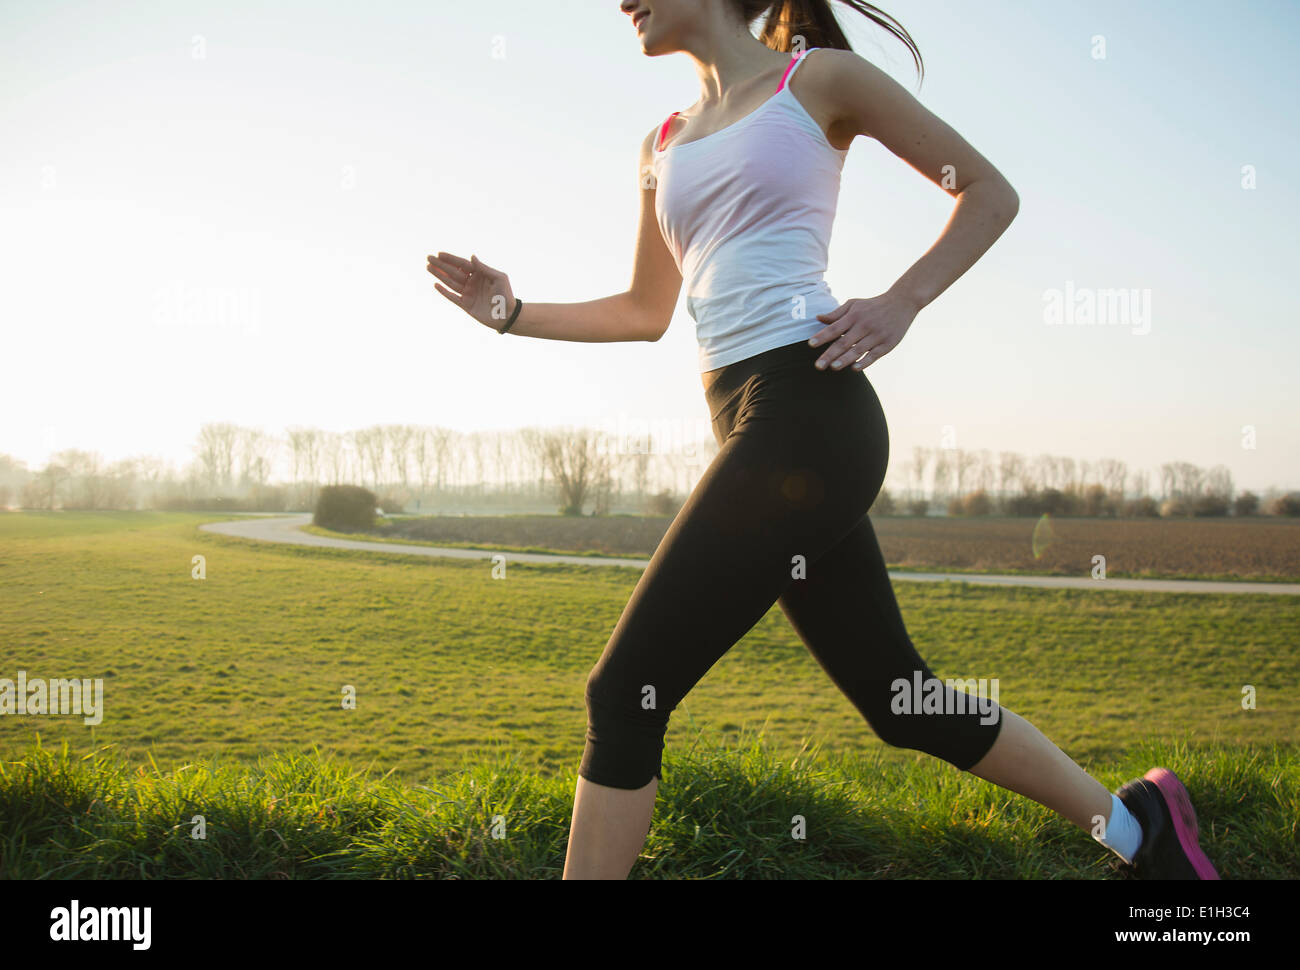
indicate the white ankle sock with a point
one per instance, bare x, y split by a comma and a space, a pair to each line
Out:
1123, 832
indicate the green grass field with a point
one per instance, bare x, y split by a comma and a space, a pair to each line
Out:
454, 670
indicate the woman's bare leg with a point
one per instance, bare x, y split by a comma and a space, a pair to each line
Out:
846, 613
609, 829
610, 825
1023, 760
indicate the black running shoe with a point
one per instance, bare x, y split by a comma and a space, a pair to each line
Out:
1169, 848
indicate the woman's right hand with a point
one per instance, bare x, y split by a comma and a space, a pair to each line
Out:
478, 289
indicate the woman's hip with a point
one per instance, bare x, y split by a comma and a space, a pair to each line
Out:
789, 412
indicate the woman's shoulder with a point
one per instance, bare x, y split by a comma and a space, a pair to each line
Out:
822, 86
828, 65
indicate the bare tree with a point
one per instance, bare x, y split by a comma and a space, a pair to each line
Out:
400, 439
1044, 471
920, 460
257, 454
943, 464
315, 446
151, 469
370, 448
306, 446
298, 446
639, 462
602, 489
1113, 475
145, 472
442, 444
334, 456
81, 472
1189, 481
358, 440
1218, 482
962, 463
472, 446
73, 464
1067, 470
1010, 466
984, 471
503, 457
533, 443
457, 449
216, 453
13, 477
47, 484
1183, 485
422, 456
120, 484
1141, 482
577, 462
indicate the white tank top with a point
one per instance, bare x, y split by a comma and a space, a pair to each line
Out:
747, 213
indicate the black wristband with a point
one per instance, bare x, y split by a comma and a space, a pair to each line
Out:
519, 305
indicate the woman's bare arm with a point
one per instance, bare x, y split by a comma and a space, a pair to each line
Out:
642, 312
864, 100
854, 97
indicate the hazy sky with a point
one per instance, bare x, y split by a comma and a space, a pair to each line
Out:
221, 212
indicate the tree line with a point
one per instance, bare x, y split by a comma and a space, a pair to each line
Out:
579, 471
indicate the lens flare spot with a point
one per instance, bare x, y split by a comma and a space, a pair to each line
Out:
1044, 535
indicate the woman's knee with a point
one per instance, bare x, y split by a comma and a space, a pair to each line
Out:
950, 725
625, 740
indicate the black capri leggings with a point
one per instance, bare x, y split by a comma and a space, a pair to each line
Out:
802, 457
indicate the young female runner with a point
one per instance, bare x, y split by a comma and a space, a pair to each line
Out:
738, 195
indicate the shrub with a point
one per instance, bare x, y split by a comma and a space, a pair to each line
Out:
1056, 502
1288, 504
918, 506
35, 495
1174, 507
390, 503
1096, 501
268, 498
1144, 506
1247, 503
1020, 504
1210, 505
203, 503
345, 507
1050, 501
884, 504
665, 503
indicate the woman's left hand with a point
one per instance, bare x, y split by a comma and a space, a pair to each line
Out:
860, 332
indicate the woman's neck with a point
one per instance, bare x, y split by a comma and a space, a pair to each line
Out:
727, 59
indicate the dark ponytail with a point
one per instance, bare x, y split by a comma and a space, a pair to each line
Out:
815, 22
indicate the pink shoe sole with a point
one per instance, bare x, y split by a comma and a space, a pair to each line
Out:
1184, 816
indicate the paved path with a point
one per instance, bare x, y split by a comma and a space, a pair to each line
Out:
287, 529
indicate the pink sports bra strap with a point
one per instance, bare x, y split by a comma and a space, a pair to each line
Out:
793, 61
663, 132
788, 69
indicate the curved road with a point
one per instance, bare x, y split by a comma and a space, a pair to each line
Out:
286, 528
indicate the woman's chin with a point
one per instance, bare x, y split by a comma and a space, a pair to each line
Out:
653, 46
